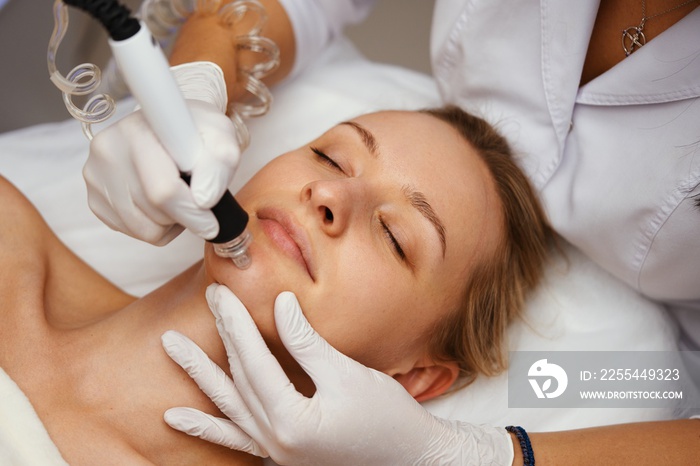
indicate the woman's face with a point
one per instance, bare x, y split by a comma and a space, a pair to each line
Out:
375, 226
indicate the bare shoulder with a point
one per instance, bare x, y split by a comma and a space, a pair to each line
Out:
73, 293
23, 233
21, 221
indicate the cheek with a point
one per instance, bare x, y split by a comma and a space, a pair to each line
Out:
368, 314
286, 172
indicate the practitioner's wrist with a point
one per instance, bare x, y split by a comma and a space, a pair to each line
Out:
230, 34
517, 451
462, 442
203, 38
202, 80
523, 453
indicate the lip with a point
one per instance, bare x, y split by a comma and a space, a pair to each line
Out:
288, 236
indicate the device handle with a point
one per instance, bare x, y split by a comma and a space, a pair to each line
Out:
147, 74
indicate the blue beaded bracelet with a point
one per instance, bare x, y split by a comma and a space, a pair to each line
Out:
525, 445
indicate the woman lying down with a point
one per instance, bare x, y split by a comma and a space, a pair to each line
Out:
410, 239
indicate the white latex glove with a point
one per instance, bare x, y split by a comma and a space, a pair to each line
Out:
135, 187
357, 415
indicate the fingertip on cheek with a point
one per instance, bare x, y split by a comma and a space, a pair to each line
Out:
286, 301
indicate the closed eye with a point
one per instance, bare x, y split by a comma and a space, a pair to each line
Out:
392, 240
325, 159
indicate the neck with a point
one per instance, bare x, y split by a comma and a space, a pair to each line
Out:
180, 305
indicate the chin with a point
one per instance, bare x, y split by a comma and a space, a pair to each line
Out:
257, 286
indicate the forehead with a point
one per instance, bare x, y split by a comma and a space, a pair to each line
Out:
411, 141
432, 156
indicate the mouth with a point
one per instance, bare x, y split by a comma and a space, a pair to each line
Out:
288, 236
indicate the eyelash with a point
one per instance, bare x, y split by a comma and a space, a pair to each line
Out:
392, 240
326, 160
387, 232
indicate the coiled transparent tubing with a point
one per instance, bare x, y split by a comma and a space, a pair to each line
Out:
163, 18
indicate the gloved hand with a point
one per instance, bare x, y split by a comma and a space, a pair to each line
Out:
357, 415
135, 187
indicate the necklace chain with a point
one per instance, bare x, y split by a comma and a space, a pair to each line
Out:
644, 8
633, 37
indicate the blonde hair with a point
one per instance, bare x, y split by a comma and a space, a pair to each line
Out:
474, 334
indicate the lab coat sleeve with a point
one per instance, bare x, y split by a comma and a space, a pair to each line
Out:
317, 22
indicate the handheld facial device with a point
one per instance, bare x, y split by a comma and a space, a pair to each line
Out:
147, 74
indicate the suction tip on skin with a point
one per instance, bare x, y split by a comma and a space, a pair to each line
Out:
236, 250
242, 261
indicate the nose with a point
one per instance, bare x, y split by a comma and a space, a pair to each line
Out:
334, 203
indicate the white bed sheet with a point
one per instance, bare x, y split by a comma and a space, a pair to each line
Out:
580, 307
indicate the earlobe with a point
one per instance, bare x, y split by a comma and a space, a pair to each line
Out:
427, 382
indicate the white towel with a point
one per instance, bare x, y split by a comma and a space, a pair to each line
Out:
23, 438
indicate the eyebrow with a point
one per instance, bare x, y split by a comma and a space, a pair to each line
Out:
416, 198
367, 138
420, 203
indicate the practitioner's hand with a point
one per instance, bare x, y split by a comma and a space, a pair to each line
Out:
356, 416
135, 187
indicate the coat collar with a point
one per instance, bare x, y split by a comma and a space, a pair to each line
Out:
666, 69
566, 31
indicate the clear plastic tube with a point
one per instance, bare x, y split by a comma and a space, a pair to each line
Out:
81, 80
163, 17
233, 12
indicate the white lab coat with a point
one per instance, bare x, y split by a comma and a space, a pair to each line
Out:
617, 161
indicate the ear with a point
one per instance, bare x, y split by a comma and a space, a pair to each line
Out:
429, 381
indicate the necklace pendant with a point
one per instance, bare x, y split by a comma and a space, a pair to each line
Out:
633, 38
